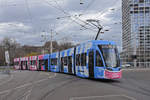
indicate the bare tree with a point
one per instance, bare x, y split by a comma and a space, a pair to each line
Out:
11, 45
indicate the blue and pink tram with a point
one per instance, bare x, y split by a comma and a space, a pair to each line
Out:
24, 62
33, 63
95, 59
67, 61
17, 63
54, 62
43, 62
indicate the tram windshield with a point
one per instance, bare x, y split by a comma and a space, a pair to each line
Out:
110, 55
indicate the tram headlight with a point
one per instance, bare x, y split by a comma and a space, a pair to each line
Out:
119, 68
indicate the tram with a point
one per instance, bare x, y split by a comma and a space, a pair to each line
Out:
97, 59
33, 63
16, 63
24, 61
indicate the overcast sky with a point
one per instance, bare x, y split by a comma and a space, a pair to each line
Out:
26, 20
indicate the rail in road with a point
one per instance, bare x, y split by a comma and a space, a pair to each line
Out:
28, 85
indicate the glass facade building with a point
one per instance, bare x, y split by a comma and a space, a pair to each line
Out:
136, 32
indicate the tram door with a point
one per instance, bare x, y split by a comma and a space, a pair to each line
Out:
46, 64
21, 65
91, 64
70, 64
40, 64
26, 64
62, 65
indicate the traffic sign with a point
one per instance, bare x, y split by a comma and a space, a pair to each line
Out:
7, 57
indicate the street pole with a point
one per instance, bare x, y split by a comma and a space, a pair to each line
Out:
51, 44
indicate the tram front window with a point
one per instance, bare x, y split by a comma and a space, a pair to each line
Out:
110, 55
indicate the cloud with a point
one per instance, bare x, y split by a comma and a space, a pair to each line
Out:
25, 20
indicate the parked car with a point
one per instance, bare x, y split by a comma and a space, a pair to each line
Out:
126, 66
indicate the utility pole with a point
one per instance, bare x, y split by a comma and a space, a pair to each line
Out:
44, 41
51, 44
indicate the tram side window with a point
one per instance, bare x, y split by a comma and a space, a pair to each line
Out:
70, 60
78, 61
99, 61
24, 63
83, 59
41, 62
65, 61
54, 61
33, 62
16, 63
46, 62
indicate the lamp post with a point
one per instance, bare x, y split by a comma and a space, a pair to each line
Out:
51, 44
44, 40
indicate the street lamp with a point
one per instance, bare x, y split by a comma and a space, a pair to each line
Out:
81, 2
43, 40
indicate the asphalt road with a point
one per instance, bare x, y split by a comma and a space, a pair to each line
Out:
34, 85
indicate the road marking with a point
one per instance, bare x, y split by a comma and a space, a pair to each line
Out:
5, 91
11, 77
22, 86
28, 93
28, 84
92, 97
138, 69
45, 73
55, 74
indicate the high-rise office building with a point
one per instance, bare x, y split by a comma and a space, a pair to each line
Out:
136, 32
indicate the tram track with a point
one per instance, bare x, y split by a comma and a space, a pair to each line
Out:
59, 86
133, 85
4, 82
27, 94
131, 89
28, 81
47, 86
16, 86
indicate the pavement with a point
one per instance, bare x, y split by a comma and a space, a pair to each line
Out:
36, 85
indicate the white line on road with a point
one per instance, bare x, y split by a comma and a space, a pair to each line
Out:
55, 74
30, 91
138, 69
104, 96
11, 77
28, 84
